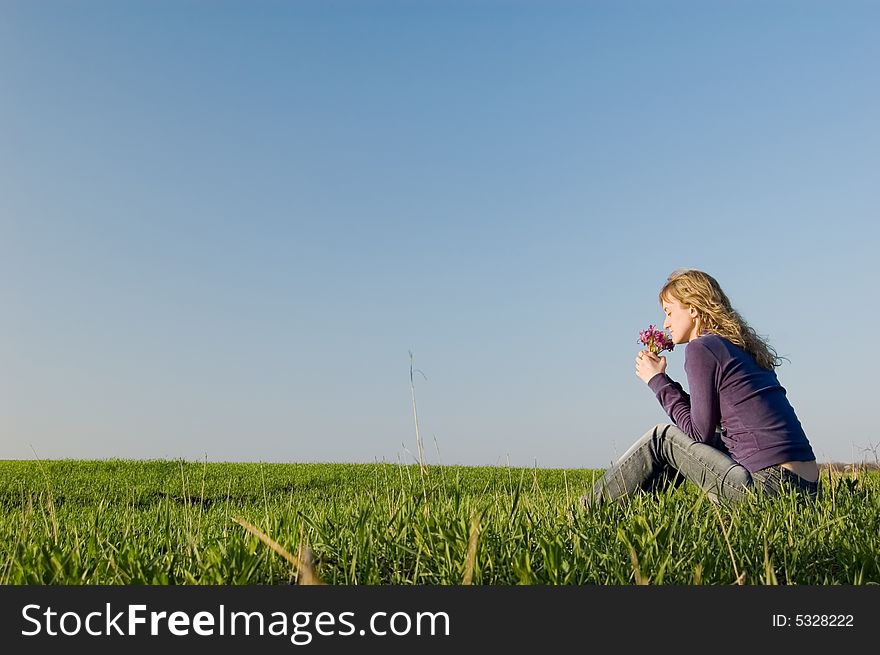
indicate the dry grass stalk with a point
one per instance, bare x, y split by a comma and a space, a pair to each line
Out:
303, 565
769, 574
637, 571
423, 470
740, 577
698, 574
471, 559
49, 498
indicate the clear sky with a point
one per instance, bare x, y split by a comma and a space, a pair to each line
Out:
225, 225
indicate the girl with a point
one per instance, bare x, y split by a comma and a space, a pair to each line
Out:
732, 385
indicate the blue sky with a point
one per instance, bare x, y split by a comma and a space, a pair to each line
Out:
225, 225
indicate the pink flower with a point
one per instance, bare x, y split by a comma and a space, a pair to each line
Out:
657, 341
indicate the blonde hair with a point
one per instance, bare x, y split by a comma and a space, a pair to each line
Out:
702, 292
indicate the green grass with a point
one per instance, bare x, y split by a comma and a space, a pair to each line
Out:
171, 522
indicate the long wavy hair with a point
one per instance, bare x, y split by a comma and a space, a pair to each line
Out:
702, 291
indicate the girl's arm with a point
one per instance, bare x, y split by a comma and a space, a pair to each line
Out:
697, 414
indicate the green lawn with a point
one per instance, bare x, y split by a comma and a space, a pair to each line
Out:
174, 522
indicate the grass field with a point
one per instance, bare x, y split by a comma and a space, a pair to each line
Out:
127, 522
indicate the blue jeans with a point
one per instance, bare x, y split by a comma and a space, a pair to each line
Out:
665, 455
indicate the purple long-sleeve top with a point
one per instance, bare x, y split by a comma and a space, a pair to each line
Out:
728, 388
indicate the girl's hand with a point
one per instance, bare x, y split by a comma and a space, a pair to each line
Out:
648, 365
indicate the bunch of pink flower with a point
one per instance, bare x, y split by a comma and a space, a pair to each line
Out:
655, 340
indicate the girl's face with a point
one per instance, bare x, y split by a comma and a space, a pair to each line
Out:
681, 321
